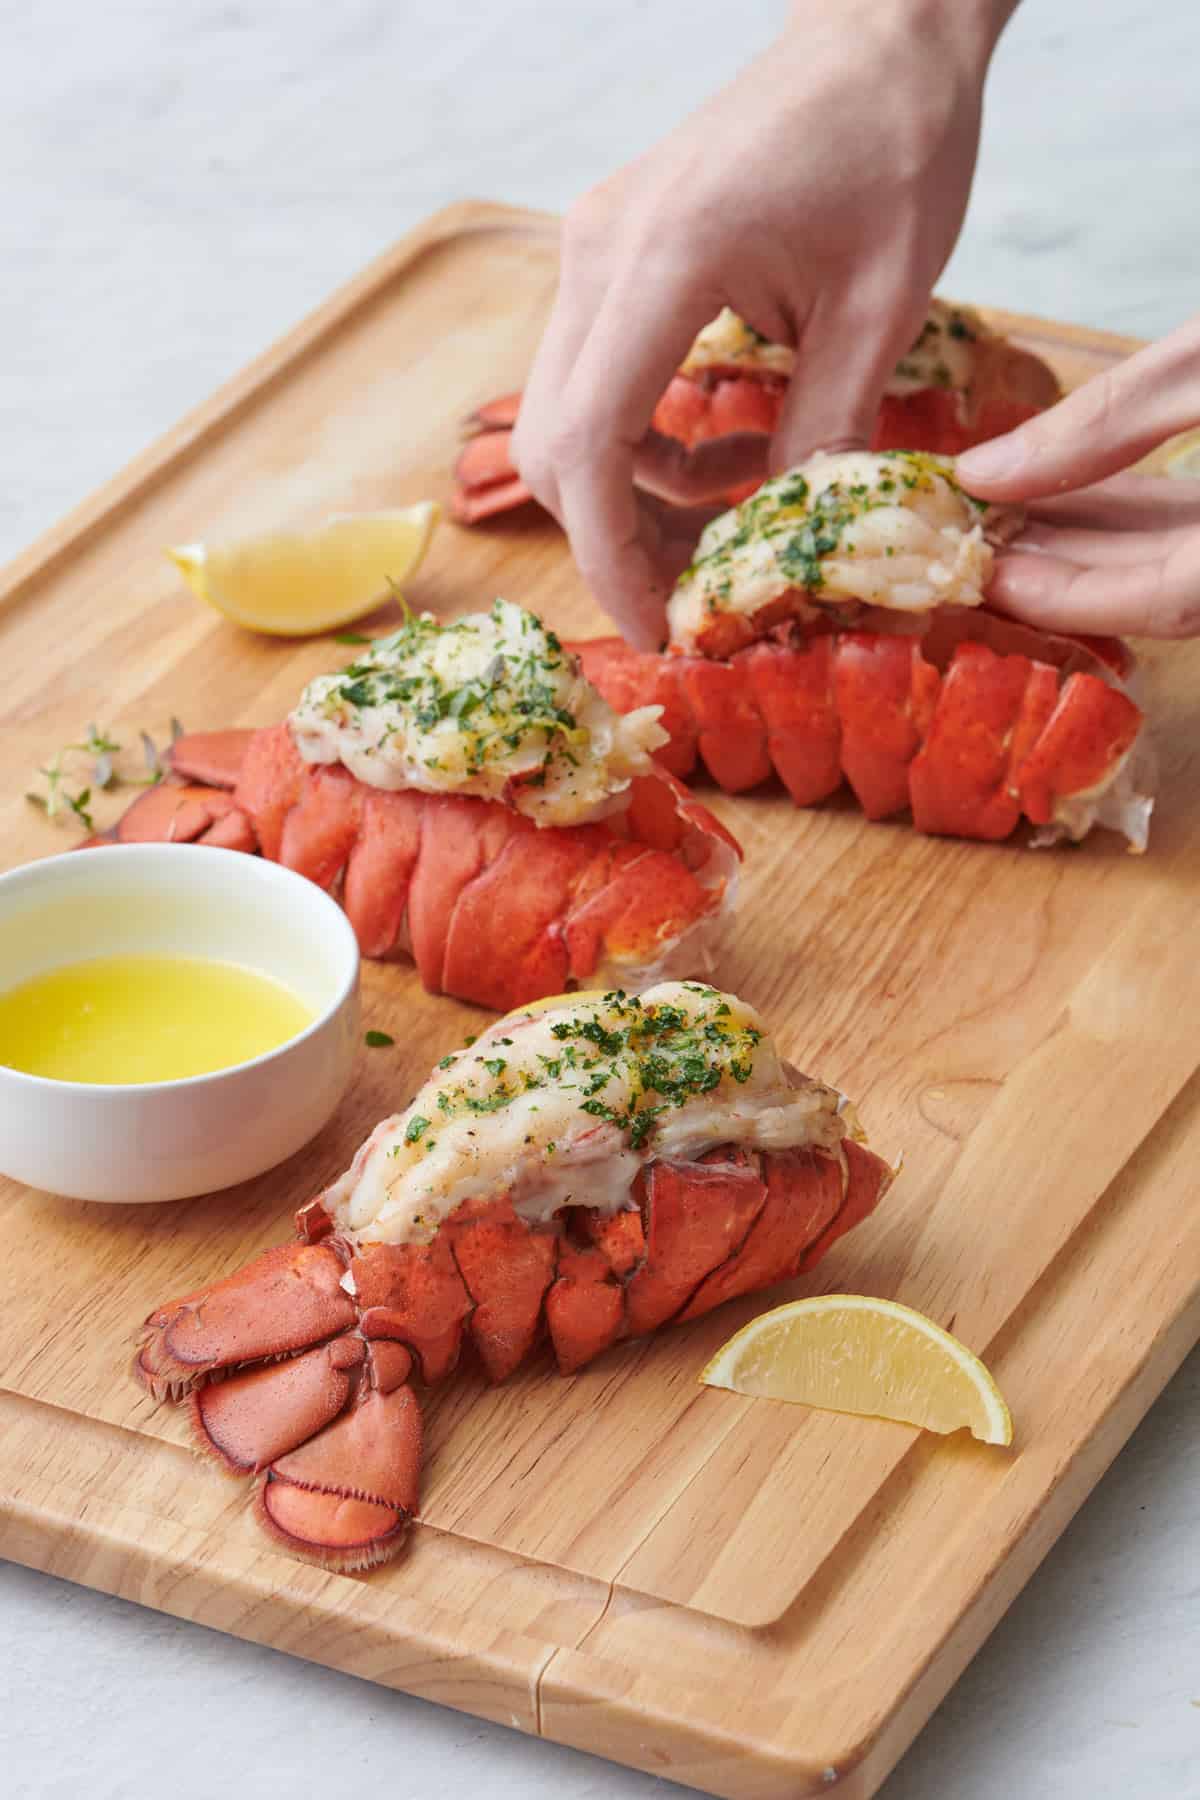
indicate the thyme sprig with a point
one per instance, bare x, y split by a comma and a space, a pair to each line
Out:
63, 799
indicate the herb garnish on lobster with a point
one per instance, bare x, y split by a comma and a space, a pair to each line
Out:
587, 1171
476, 805
960, 384
830, 628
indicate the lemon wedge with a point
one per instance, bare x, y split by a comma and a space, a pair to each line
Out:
855, 1354
297, 583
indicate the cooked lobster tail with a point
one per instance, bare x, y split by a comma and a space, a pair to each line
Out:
973, 727
735, 385
491, 908
316, 1340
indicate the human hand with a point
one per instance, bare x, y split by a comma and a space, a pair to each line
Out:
819, 195
1120, 554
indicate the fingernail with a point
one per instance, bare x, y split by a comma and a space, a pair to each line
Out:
996, 461
837, 446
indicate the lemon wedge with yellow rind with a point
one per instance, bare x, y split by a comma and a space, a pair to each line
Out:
855, 1354
299, 583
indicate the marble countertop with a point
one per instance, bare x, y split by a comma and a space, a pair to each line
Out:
186, 181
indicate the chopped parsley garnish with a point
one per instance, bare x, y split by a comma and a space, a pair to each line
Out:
475, 703
378, 1040
801, 527
623, 1062
415, 1130
492, 1103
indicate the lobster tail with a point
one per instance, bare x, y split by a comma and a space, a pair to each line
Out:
491, 908
972, 727
734, 382
315, 1341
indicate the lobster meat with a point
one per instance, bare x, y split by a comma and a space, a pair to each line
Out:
501, 1208
829, 628
838, 536
451, 864
960, 384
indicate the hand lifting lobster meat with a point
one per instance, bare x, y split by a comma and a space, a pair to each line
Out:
960, 384
587, 1171
475, 805
830, 629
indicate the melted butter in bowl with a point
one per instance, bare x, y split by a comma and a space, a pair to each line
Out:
173, 1019
139, 1018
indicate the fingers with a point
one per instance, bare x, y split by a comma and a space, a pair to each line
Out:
645, 325
843, 362
1104, 426
1125, 503
562, 340
1096, 547
1159, 597
648, 548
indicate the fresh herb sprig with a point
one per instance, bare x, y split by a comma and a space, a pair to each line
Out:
62, 799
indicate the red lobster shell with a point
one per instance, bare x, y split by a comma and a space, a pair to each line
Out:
316, 1339
1008, 386
490, 908
971, 727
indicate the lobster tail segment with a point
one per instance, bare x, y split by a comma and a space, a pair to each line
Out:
485, 477
534, 1209
322, 1417
289, 1296
345, 1497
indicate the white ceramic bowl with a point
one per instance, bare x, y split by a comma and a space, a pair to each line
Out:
168, 1139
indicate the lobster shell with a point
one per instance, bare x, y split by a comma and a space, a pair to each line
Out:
490, 908
973, 726
296, 1368
1009, 385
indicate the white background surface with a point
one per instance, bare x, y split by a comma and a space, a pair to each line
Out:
181, 183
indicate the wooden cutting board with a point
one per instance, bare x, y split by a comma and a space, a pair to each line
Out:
758, 1600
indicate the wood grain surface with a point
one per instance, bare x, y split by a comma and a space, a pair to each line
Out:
759, 1601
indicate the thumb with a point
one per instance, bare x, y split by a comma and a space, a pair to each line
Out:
1108, 423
